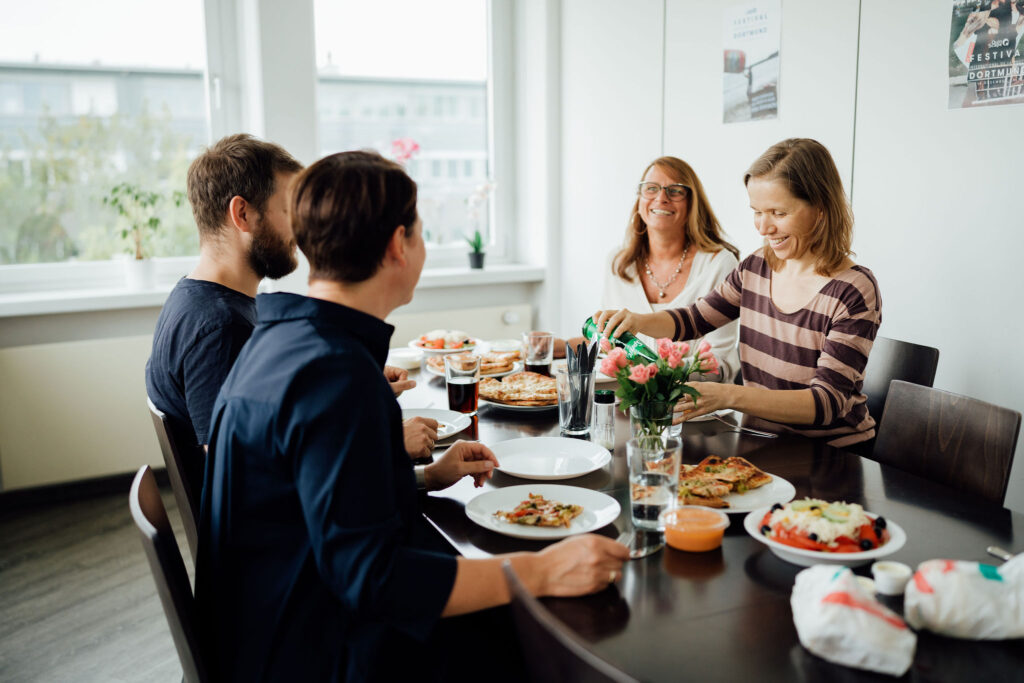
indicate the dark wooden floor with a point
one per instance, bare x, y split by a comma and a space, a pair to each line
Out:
77, 600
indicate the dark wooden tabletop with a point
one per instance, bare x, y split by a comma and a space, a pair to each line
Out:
724, 615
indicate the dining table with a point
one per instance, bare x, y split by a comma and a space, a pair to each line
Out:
725, 615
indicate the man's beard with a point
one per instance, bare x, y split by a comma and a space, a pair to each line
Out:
269, 255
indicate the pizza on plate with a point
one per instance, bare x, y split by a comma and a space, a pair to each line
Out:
539, 511
520, 389
709, 481
491, 363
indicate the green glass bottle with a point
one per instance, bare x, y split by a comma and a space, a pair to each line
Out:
635, 349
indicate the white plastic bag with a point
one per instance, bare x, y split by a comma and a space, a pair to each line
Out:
968, 599
838, 620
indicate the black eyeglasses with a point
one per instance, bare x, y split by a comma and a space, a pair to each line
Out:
676, 193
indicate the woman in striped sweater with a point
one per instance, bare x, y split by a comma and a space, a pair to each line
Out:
808, 314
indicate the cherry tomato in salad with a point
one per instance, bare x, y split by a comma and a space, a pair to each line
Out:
844, 544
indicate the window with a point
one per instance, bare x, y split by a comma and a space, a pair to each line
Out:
84, 109
422, 79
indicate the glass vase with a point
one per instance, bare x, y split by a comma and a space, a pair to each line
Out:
653, 419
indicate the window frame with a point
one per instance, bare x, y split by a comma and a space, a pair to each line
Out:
229, 85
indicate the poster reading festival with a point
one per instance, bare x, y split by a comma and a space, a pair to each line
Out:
986, 66
750, 78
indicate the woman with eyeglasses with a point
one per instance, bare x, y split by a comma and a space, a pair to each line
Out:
674, 253
808, 314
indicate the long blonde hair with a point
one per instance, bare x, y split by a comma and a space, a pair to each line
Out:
701, 229
807, 170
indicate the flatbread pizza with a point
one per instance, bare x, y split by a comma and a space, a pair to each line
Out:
521, 389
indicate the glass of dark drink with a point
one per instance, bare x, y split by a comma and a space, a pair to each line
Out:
538, 348
462, 375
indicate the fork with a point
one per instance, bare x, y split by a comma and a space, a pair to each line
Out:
748, 430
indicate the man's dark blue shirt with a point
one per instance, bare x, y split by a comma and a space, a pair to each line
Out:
310, 565
200, 332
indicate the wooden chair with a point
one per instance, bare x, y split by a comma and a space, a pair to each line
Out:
553, 652
960, 441
168, 571
181, 482
893, 359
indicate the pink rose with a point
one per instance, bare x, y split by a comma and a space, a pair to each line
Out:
639, 374
682, 348
618, 356
606, 345
665, 347
674, 359
652, 370
608, 366
704, 346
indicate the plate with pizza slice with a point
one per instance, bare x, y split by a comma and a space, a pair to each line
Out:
524, 391
492, 364
732, 485
543, 511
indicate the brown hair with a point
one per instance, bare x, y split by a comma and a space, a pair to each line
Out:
807, 170
702, 229
238, 165
345, 209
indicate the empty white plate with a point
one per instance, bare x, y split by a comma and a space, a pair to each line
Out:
449, 422
549, 457
599, 509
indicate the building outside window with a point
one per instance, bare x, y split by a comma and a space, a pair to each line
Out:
83, 109
422, 78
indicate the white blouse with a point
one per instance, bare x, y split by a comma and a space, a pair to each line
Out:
706, 272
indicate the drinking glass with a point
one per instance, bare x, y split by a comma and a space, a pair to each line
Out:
538, 349
462, 376
575, 401
653, 464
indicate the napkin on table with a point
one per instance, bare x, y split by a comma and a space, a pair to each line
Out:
968, 599
838, 620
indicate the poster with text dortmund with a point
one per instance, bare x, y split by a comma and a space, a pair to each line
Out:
750, 78
986, 66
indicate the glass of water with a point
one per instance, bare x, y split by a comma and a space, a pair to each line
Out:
653, 463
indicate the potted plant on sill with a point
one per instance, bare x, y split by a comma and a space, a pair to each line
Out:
138, 209
476, 246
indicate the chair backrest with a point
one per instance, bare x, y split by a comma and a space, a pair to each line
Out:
893, 359
168, 571
960, 441
181, 483
554, 653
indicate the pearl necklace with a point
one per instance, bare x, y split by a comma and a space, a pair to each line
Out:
663, 287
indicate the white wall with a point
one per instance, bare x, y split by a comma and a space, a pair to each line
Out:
935, 192
611, 128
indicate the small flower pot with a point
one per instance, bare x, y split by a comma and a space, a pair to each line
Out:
476, 259
140, 274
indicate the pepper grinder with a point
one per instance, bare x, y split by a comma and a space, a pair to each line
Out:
603, 431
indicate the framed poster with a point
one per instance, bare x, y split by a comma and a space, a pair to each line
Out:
750, 76
985, 62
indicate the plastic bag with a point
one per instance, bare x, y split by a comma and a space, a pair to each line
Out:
968, 599
838, 620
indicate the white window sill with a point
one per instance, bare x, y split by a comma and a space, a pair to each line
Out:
79, 300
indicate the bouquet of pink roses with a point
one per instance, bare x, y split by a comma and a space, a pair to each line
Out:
663, 381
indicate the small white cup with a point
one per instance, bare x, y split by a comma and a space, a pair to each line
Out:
890, 577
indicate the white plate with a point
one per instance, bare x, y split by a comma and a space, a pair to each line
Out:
407, 359
521, 409
504, 345
415, 344
809, 558
449, 422
516, 367
778, 490
548, 457
599, 510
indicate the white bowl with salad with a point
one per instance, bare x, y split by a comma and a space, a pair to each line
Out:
812, 531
